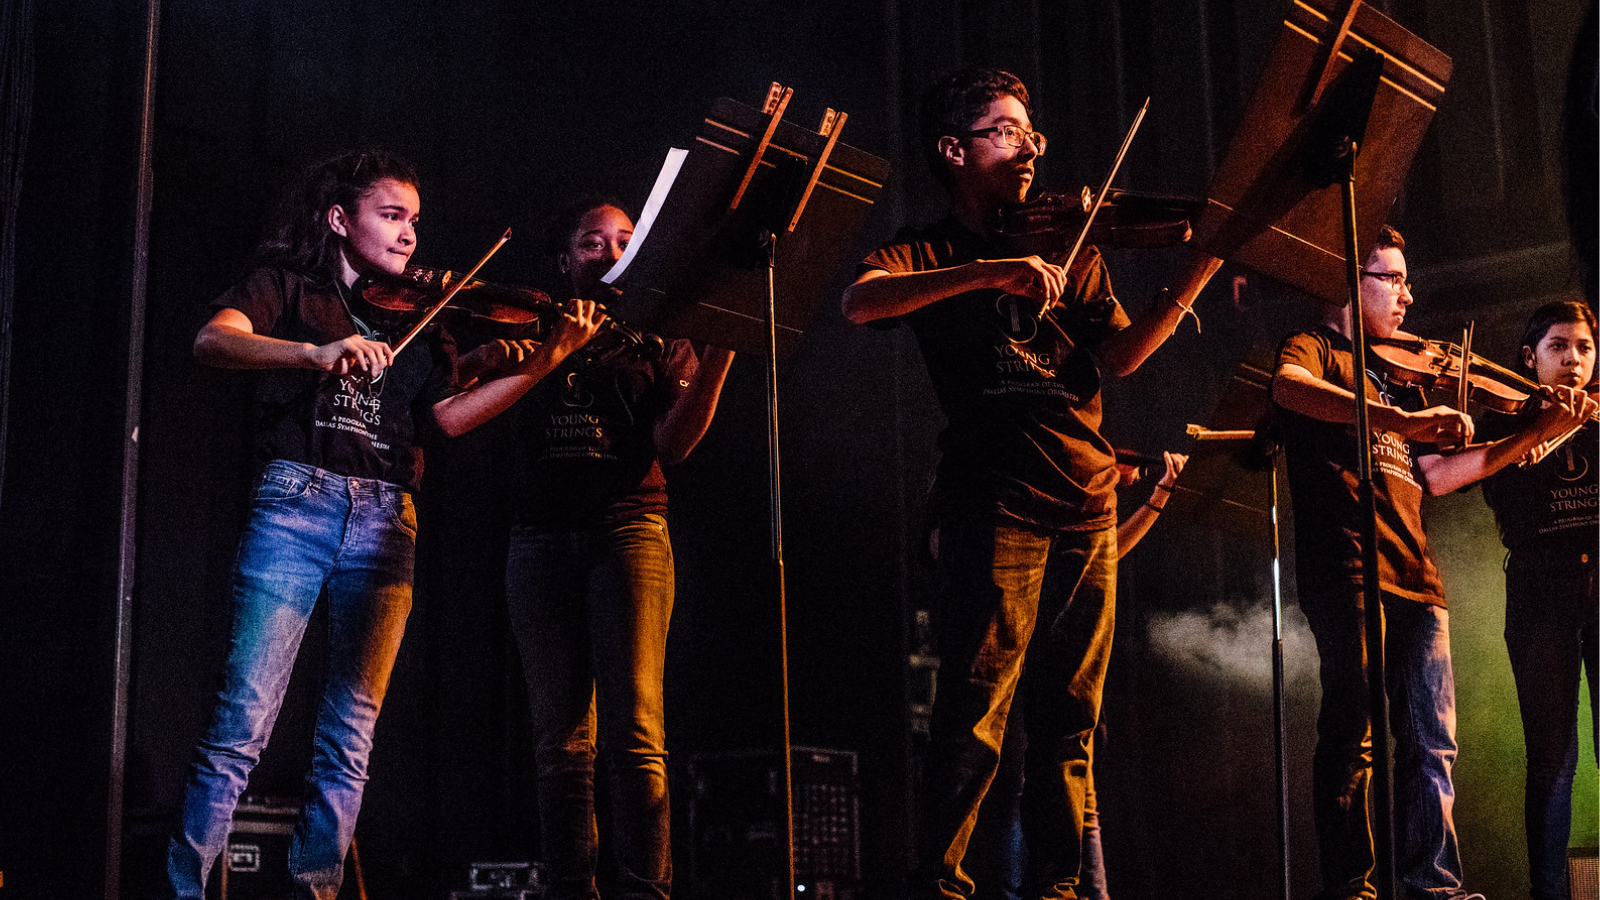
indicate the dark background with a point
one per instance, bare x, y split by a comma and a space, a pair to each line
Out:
511, 109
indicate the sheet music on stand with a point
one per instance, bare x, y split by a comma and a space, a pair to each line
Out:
699, 270
647, 216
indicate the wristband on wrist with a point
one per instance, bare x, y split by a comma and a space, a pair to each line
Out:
1167, 295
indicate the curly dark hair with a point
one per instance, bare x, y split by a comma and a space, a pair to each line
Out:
1389, 238
299, 238
953, 103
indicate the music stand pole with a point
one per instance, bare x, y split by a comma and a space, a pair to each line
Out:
1279, 734
770, 242
707, 271
1371, 592
1280, 740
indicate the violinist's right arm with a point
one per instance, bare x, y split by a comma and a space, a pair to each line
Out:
880, 294
1297, 389
229, 341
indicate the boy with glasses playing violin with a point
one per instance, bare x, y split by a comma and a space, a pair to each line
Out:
1313, 387
1025, 489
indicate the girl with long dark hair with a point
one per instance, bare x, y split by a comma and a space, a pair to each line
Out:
1546, 510
340, 417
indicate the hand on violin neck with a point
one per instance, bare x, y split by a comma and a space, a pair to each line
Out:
1565, 409
1174, 463
1441, 425
580, 321
354, 353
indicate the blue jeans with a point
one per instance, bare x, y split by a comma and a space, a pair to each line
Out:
1007, 593
590, 611
309, 529
1551, 632
1422, 713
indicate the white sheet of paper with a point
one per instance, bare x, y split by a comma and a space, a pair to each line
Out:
647, 217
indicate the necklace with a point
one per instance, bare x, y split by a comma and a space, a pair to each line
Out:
362, 385
365, 330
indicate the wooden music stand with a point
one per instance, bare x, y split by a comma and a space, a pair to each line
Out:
1230, 458
1264, 211
755, 195
1344, 100
700, 272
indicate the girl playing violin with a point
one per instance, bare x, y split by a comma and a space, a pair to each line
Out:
589, 576
1546, 511
340, 417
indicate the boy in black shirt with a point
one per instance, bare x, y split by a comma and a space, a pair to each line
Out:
1313, 386
1025, 490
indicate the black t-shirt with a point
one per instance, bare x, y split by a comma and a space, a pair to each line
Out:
1021, 399
1551, 507
1323, 480
585, 450
350, 425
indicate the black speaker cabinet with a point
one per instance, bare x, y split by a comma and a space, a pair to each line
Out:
736, 816
254, 866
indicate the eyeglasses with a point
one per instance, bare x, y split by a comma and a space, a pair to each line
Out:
1012, 136
1397, 280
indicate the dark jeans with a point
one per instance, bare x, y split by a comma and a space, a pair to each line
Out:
309, 529
1551, 610
590, 612
1006, 593
1422, 714
997, 853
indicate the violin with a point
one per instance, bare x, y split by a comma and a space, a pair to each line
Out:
1048, 224
1054, 227
418, 288
1417, 362
523, 312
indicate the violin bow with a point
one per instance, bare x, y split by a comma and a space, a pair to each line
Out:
450, 294
1099, 198
1464, 388
1464, 376
1105, 187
